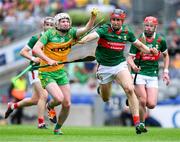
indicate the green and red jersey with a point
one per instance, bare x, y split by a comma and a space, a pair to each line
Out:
33, 40
111, 44
149, 62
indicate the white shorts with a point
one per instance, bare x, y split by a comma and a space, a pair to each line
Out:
106, 74
148, 81
33, 76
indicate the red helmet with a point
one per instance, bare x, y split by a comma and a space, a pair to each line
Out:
151, 19
118, 13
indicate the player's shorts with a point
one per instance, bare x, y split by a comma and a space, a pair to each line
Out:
106, 74
59, 76
148, 81
33, 76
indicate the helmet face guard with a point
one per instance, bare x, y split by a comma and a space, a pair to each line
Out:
48, 23
150, 25
57, 20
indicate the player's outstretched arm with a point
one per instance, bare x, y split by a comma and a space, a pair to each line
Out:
88, 38
89, 25
141, 46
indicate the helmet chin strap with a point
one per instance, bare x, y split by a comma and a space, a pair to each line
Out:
115, 29
148, 34
62, 30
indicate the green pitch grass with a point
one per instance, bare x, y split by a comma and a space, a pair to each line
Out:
24, 133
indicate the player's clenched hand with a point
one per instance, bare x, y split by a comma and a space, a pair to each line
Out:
154, 51
52, 62
36, 60
94, 12
136, 68
166, 78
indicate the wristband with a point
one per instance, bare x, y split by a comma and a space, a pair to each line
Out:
166, 71
32, 58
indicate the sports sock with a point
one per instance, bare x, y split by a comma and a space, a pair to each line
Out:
14, 106
57, 127
136, 119
49, 105
40, 120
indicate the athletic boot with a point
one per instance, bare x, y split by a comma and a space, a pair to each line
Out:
42, 126
51, 114
145, 129
140, 128
9, 110
58, 132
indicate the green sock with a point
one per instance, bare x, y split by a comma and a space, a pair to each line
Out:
58, 126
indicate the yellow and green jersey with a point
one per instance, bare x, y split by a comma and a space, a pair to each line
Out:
57, 47
111, 44
149, 62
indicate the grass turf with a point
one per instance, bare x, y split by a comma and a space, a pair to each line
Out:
24, 133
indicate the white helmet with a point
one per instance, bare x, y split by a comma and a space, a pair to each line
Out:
48, 22
60, 16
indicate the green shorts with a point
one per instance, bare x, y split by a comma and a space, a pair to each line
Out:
59, 76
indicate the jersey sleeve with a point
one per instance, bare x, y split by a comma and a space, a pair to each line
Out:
73, 32
163, 45
32, 41
100, 31
132, 37
133, 50
44, 38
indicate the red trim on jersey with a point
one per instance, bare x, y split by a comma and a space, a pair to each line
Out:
118, 46
150, 40
33, 74
159, 40
148, 57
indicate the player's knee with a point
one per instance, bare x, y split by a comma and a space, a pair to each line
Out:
151, 105
59, 99
66, 105
44, 97
143, 103
129, 90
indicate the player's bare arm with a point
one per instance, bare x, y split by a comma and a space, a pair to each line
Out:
89, 25
130, 61
89, 37
144, 48
165, 76
25, 53
37, 49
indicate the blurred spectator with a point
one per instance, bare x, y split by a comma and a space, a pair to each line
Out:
41, 8
81, 3
17, 92
83, 73
178, 17
69, 4
5, 35
176, 61
11, 16
29, 20
55, 8
7, 4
